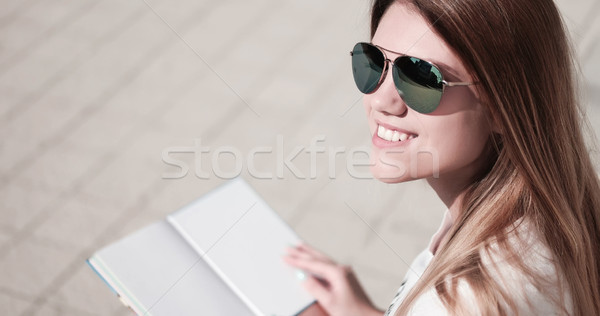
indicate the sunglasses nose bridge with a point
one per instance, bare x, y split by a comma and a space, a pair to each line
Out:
387, 64
388, 98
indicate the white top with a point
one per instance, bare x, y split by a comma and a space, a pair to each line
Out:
513, 280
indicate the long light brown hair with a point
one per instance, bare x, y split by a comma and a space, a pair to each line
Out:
539, 166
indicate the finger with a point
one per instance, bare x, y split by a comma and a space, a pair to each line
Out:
309, 249
299, 253
317, 286
325, 270
317, 289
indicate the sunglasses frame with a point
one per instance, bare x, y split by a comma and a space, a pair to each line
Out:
386, 67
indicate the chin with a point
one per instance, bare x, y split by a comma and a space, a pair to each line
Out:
390, 174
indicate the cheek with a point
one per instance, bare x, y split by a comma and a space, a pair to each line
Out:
460, 141
460, 130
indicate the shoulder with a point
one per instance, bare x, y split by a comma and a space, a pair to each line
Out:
537, 290
531, 295
429, 303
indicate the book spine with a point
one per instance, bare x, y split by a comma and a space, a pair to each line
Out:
102, 277
214, 267
113, 284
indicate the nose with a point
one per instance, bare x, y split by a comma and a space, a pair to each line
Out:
386, 98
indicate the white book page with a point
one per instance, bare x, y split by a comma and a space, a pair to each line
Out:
157, 273
243, 239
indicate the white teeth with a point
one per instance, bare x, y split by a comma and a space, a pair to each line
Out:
392, 136
388, 134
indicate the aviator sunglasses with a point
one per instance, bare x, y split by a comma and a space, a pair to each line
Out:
419, 82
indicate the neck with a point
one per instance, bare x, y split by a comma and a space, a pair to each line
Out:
451, 186
451, 195
450, 192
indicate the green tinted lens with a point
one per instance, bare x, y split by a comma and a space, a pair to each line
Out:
367, 66
418, 82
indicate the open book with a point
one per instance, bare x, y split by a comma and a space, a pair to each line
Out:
220, 255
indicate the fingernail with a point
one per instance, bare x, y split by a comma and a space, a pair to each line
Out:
300, 274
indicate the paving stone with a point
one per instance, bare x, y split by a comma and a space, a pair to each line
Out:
59, 168
34, 125
50, 309
174, 12
394, 252
381, 287
177, 193
93, 24
160, 85
76, 293
10, 305
9, 95
32, 21
13, 152
30, 74
411, 214
131, 173
329, 225
12, 8
105, 131
198, 113
31, 265
77, 222
123, 311
30, 70
232, 19
20, 203
269, 48
4, 237
575, 14
591, 68
100, 73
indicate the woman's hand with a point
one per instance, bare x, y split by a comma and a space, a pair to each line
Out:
336, 288
314, 310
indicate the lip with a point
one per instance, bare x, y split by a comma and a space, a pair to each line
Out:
382, 143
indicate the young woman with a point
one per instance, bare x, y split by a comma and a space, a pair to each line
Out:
479, 99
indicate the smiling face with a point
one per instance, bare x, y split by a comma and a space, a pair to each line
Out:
448, 142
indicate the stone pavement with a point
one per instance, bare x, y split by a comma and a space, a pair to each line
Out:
95, 92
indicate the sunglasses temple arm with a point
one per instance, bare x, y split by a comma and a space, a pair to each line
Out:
452, 84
